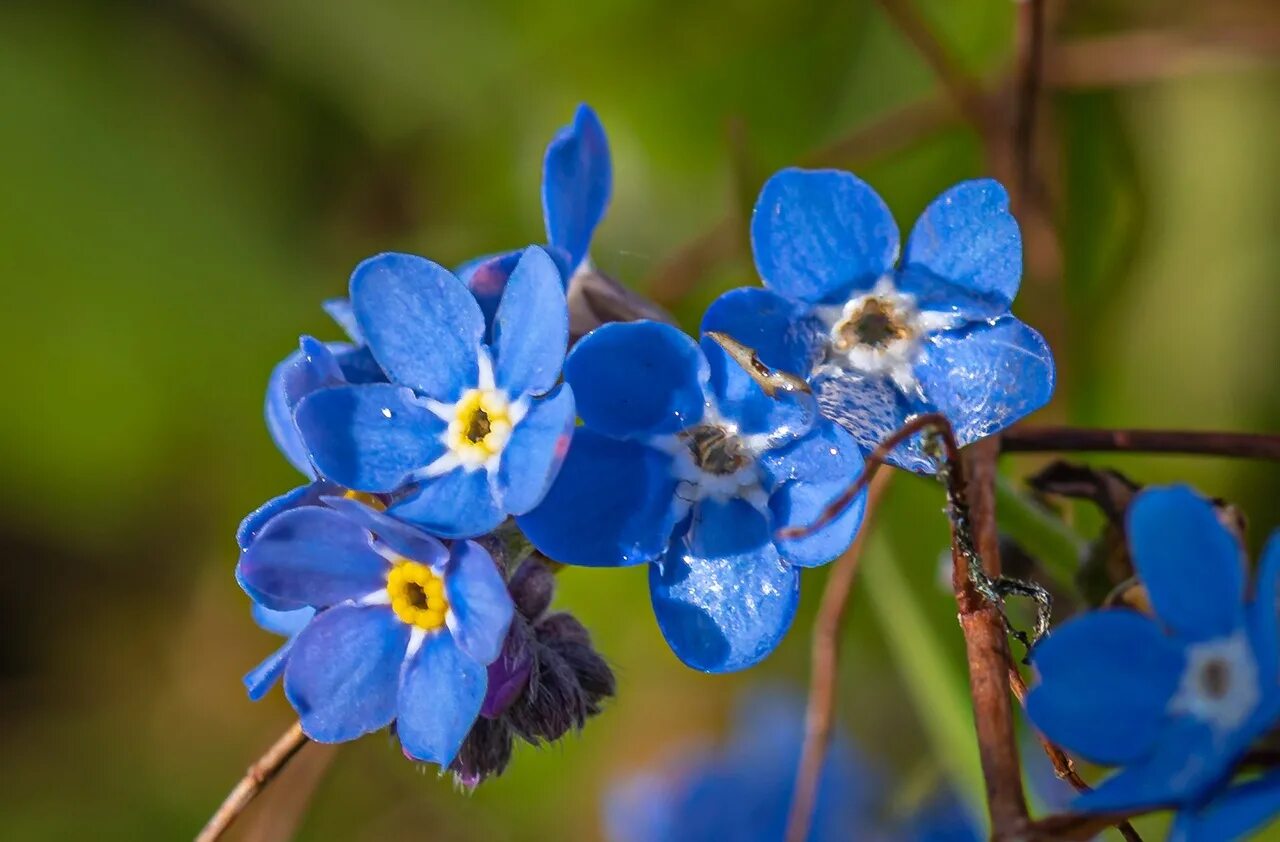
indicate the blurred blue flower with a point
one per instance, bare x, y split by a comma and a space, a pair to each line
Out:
1235, 813
882, 341
682, 460
1175, 699
404, 628
467, 431
743, 791
577, 179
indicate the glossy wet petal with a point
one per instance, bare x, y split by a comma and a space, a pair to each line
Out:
343, 673
480, 608
458, 504
531, 329
610, 505
577, 179
422, 323
723, 596
369, 438
871, 409
780, 331
819, 235
783, 416
536, 450
440, 696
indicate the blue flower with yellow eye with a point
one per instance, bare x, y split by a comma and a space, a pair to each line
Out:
684, 462
1177, 698
882, 341
468, 430
404, 628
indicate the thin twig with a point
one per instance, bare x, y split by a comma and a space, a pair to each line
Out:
1030, 69
1031, 439
263, 770
822, 681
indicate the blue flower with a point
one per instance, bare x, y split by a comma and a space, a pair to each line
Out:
683, 461
468, 431
882, 341
577, 179
1175, 699
1233, 814
404, 629
286, 624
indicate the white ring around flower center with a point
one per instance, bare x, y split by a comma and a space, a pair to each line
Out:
691, 461
479, 424
1220, 683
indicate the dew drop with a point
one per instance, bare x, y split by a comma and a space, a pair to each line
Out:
386, 412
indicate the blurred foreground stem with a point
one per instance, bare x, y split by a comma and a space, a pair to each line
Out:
1033, 439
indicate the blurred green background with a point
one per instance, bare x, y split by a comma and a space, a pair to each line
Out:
181, 183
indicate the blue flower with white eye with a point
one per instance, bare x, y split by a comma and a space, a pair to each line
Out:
684, 462
467, 431
404, 629
882, 341
1174, 699
1235, 813
577, 179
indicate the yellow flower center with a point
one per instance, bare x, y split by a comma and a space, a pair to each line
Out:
417, 595
370, 500
481, 426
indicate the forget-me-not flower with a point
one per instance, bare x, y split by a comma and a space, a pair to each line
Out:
684, 462
1177, 698
1235, 813
883, 340
467, 431
404, 628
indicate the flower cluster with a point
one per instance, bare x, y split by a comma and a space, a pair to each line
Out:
455, 423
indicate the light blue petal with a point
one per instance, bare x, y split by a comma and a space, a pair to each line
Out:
610, 505
805, 477
339, 309
986, 377
536, 450
303, 495
486, 277
441, 691
1185, 764
1237, 813
369, 438
637, 379
1106, 679
422, 323
1264, 616
871, 409
458, 504
964, 255
577, 179
400, 537
783, 417
259, 680
821, 235
723, 596
480, 609
531, 330
1192, 566
343, 674
781, 332
313, 556
283, 623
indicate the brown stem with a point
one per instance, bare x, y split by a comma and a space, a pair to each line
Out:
1030, 439
1030, 68
822, 682
259, 774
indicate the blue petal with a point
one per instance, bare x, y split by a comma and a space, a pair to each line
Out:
314, 368
369, 438
263, 677
313, 556
358, 365
531, 330
722, 595
985, 378
1106, 679
820, 235
1235, 814
458, 504
536, 450
577, 179
870, 409
480, 609
781, 332
303, 495
339, 309
344, 671
610, 505
440, 696
965, 253
806, 476
278, 412
1192, 566
1184, 765
283, 623
486, 277
403, 539
266, 600
637, 379
1264, 616
422, 324
739, 398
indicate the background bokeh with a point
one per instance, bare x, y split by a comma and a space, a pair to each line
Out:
182, 182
